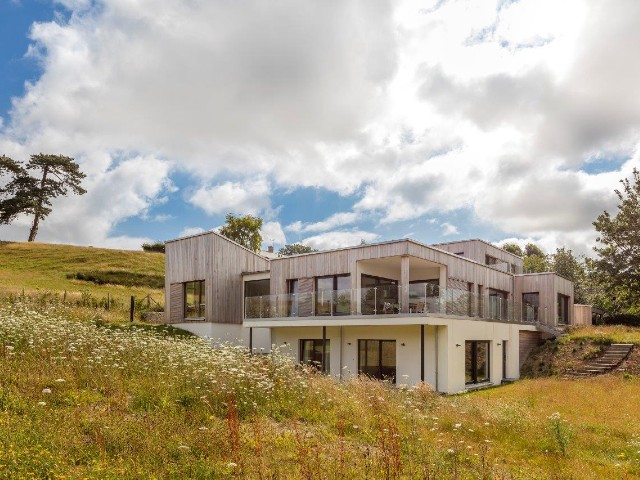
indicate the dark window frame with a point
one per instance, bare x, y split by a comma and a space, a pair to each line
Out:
536, 307
201, 308
334, 311
562, 317
474, 362
317, 342
379, 282
379, 374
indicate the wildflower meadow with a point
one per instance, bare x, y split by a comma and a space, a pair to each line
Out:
81, 397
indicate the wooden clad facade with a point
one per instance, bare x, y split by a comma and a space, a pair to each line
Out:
529, 341
478, 250
345, 261
582, 315
548, 285
220, 263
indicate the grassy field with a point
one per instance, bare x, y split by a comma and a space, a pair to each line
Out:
83, 399
41, 269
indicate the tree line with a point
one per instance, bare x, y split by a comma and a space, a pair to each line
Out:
610, 280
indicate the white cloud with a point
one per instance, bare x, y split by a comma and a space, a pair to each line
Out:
272, 234
251, 197
338, 239
336, 220
415, 111
188, 231
449, 229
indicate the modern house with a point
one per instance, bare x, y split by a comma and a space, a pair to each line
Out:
457, 315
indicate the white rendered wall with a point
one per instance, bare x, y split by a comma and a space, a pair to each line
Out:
451, 357
232, 333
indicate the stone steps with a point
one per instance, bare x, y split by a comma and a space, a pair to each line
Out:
609, 360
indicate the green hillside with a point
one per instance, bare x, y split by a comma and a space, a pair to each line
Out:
38, 268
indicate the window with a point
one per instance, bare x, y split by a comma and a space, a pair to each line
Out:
333, 295
293, 288
476, 361
379, 295
530, 306
256, 298
504, 358
311, 353
489, 260
563, 309
497, 304
194, 299
257, 288
377, 359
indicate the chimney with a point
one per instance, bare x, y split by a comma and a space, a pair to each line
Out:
270, 249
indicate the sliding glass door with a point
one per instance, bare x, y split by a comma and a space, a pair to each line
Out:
377, 359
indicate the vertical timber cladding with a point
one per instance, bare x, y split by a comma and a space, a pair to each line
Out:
343, 261
548, 285
529, 340
176, 302
220, 263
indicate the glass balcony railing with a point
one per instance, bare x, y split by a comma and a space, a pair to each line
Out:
422, 298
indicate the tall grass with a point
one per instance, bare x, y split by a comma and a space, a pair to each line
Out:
83, 399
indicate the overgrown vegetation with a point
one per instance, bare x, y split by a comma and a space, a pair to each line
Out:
118, 277
154, 247
581, 345
81, 399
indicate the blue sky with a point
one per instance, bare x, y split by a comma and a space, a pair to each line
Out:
507, 121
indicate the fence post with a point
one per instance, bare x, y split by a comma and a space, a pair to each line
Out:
132, 308
64, 297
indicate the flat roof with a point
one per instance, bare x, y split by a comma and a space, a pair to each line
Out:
481, 241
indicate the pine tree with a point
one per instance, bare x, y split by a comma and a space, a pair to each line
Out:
57, 175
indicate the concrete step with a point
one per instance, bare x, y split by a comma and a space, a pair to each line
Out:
609, 360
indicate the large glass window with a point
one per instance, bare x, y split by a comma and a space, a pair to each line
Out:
563, 309
497, 306
476, 361
293, 289
530, 306
424, 295
194, 302
377, 359
311, 353
257, 288
333, 295
256, 298
379, 295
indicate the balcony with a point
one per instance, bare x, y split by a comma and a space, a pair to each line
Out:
421, 299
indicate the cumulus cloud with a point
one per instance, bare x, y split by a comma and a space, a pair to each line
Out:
494, 109
250, 197
339, 239
272, 234
336, 220
449, 229
188, 231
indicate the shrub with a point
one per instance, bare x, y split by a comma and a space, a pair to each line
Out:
116, 277
623, 319
153, 247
